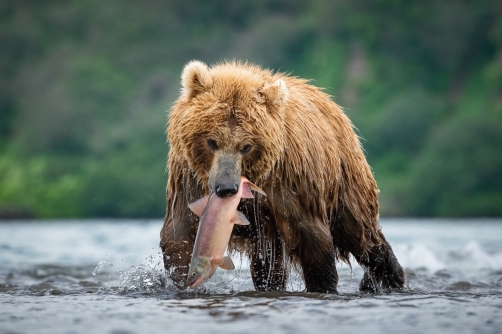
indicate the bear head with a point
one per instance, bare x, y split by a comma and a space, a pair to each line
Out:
228, 122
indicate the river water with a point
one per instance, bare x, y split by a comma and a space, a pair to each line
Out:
106, 276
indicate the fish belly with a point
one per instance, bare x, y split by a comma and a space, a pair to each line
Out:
215, 227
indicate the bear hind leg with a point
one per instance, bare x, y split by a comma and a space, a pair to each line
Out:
382, 269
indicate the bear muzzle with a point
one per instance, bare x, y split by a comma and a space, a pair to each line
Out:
225, 174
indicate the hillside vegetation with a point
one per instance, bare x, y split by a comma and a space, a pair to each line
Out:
85, 85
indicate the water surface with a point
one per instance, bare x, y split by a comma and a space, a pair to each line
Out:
106, 276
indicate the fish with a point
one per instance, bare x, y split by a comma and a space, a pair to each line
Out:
217, 218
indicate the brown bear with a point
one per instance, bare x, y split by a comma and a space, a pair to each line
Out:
289, 138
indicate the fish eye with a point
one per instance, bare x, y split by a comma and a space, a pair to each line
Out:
246, 148
212, 144
193, 274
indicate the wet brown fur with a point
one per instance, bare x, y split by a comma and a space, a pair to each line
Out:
322, 201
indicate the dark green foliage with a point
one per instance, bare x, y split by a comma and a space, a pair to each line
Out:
460, 172
403, 124
84, 86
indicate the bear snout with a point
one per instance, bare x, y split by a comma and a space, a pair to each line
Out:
226, 189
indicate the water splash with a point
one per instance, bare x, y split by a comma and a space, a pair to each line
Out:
100, 266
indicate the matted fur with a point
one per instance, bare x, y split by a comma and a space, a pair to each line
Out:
322, 198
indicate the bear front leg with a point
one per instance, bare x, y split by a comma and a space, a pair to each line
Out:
268, 269
177, 236
319, 270
318, 261
265, 246
176, 253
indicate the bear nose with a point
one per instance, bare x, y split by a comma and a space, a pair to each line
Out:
225, 190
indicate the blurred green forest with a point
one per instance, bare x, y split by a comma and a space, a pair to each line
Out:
85, 85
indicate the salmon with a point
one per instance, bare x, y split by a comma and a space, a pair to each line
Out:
217, 218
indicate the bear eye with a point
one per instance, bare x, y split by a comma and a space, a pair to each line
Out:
246, 148
212, 144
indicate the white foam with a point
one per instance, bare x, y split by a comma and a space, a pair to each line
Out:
473, 256
465, 257
417, 256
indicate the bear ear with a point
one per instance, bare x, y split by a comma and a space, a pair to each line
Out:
275, 94
195, 79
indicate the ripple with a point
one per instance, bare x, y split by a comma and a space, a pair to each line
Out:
54, 289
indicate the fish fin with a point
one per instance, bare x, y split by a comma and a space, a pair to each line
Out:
246, 190
227, 264
240, 219
223, 262
256, 188
199, 205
